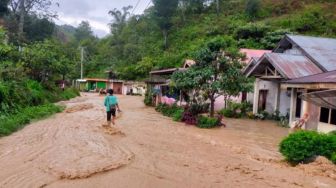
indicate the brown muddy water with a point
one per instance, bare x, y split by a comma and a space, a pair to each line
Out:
148, 150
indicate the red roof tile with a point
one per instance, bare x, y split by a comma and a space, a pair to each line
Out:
251, 53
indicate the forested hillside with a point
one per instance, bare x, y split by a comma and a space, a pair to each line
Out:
137, 44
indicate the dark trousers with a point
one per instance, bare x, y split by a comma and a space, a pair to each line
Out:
110, 114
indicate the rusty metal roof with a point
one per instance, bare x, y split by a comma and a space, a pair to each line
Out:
325, 98
328, 77
293, 66
166, 71
321, 50
289, 66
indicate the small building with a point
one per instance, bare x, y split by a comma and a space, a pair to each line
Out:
298, 66
134, 88
251, 58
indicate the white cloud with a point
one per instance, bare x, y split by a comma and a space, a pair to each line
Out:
72, 12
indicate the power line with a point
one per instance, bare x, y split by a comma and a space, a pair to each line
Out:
137, 4
148, 4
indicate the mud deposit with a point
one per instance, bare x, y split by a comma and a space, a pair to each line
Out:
147, 150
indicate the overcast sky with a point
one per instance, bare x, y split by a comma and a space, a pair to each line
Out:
72, 12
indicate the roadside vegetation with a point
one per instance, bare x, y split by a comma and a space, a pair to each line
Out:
305, 146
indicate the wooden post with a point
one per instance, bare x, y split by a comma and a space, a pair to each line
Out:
292, 106
277, 99
314, 113
256, 96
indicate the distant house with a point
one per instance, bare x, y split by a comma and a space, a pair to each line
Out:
158, 83
298, 66
95, 84
251, 58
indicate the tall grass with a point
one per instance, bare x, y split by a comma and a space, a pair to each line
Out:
14, 122
27, 100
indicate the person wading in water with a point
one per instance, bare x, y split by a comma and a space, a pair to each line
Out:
111, 104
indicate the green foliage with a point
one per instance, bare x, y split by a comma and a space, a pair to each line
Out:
83, 31
178, 115
164, 11
302, 146
333, 158
252, 8
214, 74
168, 110
207, 122
3, 7
236, 110
12, 123
229, 113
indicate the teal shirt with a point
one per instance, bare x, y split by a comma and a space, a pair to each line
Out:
110, 100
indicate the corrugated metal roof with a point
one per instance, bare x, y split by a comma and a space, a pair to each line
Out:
325, 99
252, 53
328, 77
292, 66
321, 50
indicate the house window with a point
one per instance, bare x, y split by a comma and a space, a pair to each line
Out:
328, 116
324, 115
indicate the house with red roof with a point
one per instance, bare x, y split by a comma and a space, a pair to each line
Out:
298, 77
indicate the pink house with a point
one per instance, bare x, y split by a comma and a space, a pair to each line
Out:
251, 58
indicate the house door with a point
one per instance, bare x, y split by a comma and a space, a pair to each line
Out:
117, 88
262, 100
244, 97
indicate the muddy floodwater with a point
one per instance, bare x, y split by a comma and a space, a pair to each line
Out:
147, 150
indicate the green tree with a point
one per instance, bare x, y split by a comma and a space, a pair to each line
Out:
164, 10
252, 8
20, 9
45, 61
3, 7
216, 73
83, 31
119, 19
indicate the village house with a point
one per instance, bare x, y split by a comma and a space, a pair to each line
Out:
251, 58
298, 66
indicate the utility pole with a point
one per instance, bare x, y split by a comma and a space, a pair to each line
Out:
82, 59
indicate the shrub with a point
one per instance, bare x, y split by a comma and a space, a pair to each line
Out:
207, 122
148, 98
227, 113
168, 110
196, 109
250, 115
300, 146
326, 145
189, 118
178, 115
333, 158
304, 145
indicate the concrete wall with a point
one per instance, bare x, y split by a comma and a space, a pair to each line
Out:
250, 97
284, 104
272, 88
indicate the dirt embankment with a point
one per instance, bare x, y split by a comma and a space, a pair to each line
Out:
146, 149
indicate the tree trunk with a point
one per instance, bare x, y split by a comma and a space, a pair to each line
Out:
165, 38
217, 7
212, 107
21, 19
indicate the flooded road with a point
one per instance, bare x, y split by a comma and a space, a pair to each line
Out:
146, 150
